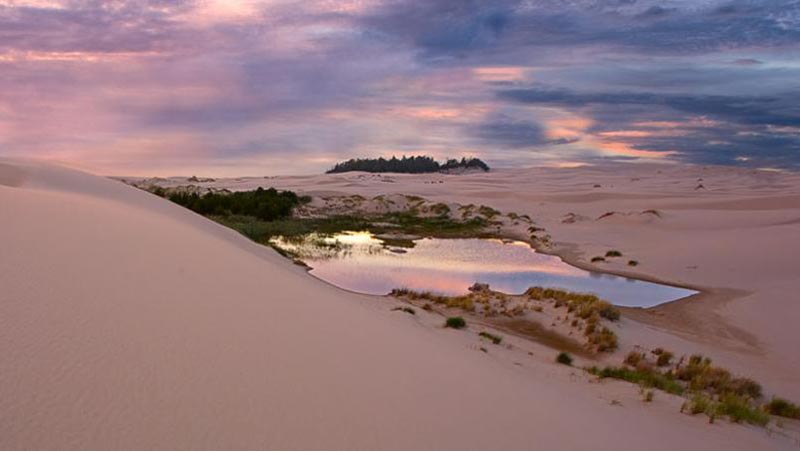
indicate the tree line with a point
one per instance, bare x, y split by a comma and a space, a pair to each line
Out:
414, 164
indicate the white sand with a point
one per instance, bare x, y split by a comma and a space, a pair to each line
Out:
128, 322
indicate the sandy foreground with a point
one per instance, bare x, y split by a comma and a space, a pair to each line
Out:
129, 322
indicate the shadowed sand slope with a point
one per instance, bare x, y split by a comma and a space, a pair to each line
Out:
127, 322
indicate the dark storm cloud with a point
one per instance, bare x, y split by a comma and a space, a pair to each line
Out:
780, 110
473, 29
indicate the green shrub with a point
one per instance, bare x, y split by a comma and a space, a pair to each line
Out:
492, 337
701, 403
613, 253
598, 259
564, 358
783, 408
265, 205
633, 263
739, 409
455, 322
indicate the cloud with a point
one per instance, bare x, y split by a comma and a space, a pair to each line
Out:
157, 83
759, 110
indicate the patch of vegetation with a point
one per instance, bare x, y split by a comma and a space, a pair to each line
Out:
464, 302
647, 377
440, 226
402, 222
585, 305
265, 205
633, 263
598, 259
440, 209
405, 309
261, 231
488, 212
492, 337
783, 408
564, 358
663, 357
713, 390
414, 164
613, 253
701, 375
455, 322
739, 409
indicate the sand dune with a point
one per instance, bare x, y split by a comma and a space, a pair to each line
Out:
129, 322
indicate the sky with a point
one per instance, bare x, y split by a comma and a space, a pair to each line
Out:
229, 88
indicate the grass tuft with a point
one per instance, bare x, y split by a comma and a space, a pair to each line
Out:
492, 337
564, 358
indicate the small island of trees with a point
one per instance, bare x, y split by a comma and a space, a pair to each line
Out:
414, 164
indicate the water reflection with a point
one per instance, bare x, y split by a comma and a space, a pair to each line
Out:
360, 262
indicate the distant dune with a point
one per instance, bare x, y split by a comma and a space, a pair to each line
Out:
127, 322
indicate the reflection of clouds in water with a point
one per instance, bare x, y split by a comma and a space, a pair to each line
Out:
360, 262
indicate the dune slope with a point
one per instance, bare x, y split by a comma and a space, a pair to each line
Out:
128, 322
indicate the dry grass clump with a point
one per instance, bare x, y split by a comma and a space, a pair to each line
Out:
663, 357
464, 302
488, 212
633, 263
585, 304
405, 309
613, 253
492, 337
598, 259
588, 307
701, 375
604, 340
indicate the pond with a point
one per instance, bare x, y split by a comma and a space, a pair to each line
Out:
362, 262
